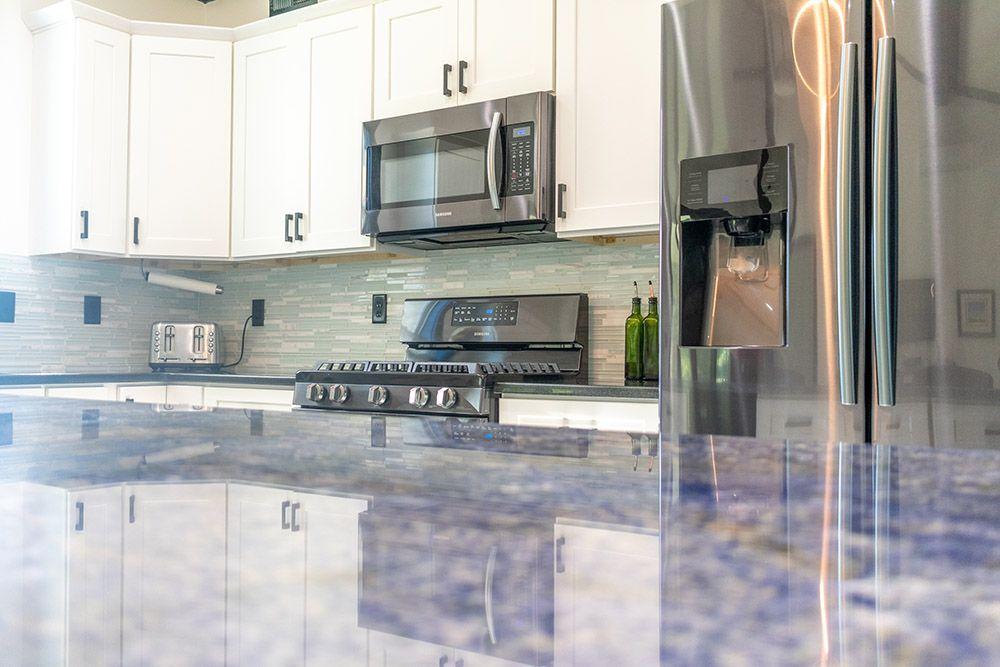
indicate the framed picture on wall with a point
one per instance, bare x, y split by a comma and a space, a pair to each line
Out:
977, 313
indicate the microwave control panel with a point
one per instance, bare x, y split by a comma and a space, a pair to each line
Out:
521, 159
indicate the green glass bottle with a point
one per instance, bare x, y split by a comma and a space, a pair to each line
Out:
651, 343
633, 341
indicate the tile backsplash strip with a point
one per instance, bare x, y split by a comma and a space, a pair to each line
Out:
323, 311
48, 334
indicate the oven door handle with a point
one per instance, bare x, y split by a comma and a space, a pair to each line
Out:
491, 160
491, 566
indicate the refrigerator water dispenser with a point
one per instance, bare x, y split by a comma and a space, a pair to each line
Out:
732, 236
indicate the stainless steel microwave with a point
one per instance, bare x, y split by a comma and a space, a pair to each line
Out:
474, 175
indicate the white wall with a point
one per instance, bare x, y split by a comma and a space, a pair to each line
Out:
15, 115
167, 11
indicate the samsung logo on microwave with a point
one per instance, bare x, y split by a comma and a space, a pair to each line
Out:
442, 214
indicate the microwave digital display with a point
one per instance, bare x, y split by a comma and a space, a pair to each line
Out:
522, 131
497, 314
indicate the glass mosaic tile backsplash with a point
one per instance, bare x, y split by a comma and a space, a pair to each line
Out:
313, 311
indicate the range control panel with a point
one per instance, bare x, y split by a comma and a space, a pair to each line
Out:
521, 159
494, 314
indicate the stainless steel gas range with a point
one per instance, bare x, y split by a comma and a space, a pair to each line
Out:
457, 350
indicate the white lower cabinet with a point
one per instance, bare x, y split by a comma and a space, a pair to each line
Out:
97, 392
174, 574
607, 594
293, 569
182, 394
94, 577
32, 574
605, 415
248, 398
155, 394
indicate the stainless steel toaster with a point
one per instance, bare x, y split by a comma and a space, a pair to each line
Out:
185, 346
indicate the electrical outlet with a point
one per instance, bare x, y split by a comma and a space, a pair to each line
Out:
380, 304
257, 312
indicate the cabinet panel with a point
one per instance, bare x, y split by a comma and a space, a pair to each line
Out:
414, 40
248, 398
607, 597
175, 574
94, 581
269, 160
340, 69
101, 108
149, 394
180, 147
392, 651
508, 45
602, 415
91, 393
266, 584
607, 115
180, 394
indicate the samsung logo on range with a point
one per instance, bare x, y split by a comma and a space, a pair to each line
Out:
443, 214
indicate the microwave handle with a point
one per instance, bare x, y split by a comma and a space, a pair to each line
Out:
491, 160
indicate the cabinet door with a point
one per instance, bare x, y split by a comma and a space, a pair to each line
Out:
249, 398
101, 165
266, 588
179, 147
180, 394
149, 394
174, 590
332, 569
88, 393
414, 41
607, 608
508, 46
269, 143
607, 115
633, 417
340, 70
94, 581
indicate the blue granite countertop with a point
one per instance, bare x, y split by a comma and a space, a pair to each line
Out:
486, 544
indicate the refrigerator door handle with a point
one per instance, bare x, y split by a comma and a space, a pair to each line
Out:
883, 212
847, 217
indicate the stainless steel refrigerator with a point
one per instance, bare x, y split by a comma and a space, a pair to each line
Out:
831, 220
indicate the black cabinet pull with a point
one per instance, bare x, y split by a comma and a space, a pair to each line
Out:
295, 517
462, 66
131, 508
79, 516
135, 231
298, 227
560, 206
560, 563
85, 234
285, 523
447, 72
288, 228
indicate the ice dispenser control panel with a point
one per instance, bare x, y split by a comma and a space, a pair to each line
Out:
734, 185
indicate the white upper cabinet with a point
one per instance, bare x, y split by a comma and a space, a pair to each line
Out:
270, 168
607, 115
507, 48
431, 54
179, 161
416, 43
80, 139
338, 49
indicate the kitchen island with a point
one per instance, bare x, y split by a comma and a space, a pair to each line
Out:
252, 537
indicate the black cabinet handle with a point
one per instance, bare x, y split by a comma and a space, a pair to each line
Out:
85, 234
560, 206
135, 231
298, 227
285, 523
447, 72
131, 508
296, 527
79, 516
288, 232
560, 563
462, 66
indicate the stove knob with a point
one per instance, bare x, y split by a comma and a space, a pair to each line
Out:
339, 393
316, 393
447, 398
420, 397
378, 395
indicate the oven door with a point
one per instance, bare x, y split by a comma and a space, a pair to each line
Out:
473, 167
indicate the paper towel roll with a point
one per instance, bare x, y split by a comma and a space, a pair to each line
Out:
179, 282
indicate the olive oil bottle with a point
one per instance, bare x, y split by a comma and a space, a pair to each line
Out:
651, 340
633, 339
